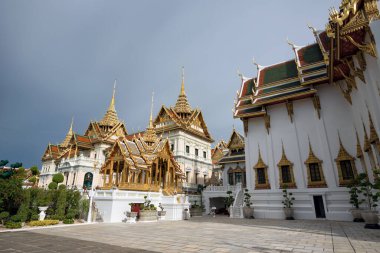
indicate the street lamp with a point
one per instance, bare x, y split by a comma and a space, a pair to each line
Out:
91, 194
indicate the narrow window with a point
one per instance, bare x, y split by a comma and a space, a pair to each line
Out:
347, 172
187, 149
315, 175
196, 152
286, 177
171, 147
230, 178
187, 176
204, 154
261, 176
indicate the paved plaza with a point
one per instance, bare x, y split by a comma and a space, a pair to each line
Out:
205, 234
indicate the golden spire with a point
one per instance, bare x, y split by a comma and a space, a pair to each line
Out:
69, 134
110, 118
150, 136
182, 105
260, 163
151, 112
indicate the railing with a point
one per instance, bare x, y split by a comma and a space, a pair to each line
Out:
189, 185
223, 188
79, 159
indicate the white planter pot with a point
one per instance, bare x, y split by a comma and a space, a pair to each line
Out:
42, 214
357, 214
371, 219
288, 211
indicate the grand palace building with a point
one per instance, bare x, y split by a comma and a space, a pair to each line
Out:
312, 123
85, 160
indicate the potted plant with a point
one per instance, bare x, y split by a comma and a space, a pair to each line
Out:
247, 209
43, 202
229, 201
288, 203
148, 211
196, 210
354, 198
161, 213
371, 194
132, 215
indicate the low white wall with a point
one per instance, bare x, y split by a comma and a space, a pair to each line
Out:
113, 204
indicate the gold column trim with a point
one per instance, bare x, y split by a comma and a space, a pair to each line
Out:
317, 105
373, 137
343, 155
368, 48
267, 122
312, 158
359, 152
285, 162
289, 108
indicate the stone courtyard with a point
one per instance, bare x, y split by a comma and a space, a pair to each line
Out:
203, 234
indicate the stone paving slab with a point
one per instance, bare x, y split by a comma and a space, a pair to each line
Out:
203, 234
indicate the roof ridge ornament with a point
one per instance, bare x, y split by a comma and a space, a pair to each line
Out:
111, 118
294, 46
255, 63
182, 105
69, 134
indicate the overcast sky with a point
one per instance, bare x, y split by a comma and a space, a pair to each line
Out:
58, 59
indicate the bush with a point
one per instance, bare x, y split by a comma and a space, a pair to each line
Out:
32, 179
4, 216
58, 178
71, 213
68, 221
24, 209
62, 187
43, 223
34, 217
53, 186
16, 218
35, 171
61, 203
12, 225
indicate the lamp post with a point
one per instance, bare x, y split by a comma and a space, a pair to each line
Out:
91, 194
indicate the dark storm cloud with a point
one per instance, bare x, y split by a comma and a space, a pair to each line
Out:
58, 59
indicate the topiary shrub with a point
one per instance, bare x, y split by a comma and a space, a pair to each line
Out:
43, 223
58, 178
16, 218
61, 203
13, 225
53, 186
68, 221
62, 187
3, 217
35, 171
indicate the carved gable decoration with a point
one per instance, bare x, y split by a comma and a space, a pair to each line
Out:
236, 141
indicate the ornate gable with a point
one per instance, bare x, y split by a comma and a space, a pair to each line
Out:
236, 141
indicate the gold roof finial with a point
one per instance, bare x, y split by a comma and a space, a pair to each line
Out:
151, 112
110, 118
69, 134
182, 105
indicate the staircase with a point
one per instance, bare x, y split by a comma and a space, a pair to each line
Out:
237, 207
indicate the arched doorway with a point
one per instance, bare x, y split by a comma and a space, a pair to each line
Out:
87, 182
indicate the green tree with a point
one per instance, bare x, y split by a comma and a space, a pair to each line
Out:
24, 210
35, 171
3, 163
11, 194
58, 178
53, 186
61, 204
3, 217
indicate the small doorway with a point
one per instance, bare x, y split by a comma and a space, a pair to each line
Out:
319, 206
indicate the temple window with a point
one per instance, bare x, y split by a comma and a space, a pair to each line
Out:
238, 177
187, 176
261, 176
347, 172
346, 166
204, 179
286, 172
196, 152
315, 174
171, 147
196, 178
315, 177
230, 178
187, 149
204, 154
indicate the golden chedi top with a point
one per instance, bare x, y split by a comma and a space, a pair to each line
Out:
150, 135
182, 105
69, 134
110, 118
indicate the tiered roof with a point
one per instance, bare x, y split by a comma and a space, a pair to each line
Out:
182, 116
236, 149
313, 64
107, 131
